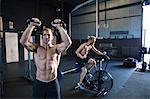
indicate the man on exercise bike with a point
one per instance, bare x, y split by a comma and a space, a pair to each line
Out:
82, 57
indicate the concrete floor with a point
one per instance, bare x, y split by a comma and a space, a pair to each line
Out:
16, 86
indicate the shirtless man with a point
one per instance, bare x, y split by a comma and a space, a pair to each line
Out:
82, 57
47, 58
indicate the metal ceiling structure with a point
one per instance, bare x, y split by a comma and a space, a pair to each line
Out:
68, 4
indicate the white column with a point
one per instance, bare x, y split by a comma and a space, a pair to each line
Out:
97, 18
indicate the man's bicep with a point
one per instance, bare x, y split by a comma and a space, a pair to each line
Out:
31, 46
61, 47
94, 49
80, 48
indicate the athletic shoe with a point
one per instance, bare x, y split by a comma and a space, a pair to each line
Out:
81, 85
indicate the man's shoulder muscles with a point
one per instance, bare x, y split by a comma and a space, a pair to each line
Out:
32, 47
36, 47
83, 44
56, 48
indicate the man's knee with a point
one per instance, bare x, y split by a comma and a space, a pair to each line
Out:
94, 62
84, 70
91, 62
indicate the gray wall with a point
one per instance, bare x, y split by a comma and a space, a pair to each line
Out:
123, 18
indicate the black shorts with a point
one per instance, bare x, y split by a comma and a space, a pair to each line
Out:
82, 62
50, 90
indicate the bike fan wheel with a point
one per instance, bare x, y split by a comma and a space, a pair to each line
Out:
106, 80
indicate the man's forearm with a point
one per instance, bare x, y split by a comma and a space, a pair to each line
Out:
100, 53
26, 34
64, 36
79, 55
97, 51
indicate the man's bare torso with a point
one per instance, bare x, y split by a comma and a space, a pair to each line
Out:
46, 61
85, 50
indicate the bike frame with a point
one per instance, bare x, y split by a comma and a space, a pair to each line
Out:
101, 69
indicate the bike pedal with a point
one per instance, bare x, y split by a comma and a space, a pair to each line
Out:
105, 92
101, 93
76, 87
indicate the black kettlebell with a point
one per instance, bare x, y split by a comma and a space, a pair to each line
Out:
56, 31
36, 27
62, 23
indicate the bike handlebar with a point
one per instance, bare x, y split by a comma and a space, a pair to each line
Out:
102, 58
106, 57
